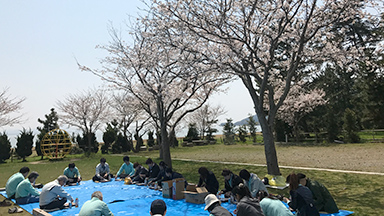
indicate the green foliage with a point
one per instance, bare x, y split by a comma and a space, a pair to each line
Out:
242, 133
193, 133
117, 145
125, 143
173, 140
24, 143
151, 140
210, 130
49, 124
350, 127
252, 127
109, 136
88, 143
139, 142
5, 146
229, 132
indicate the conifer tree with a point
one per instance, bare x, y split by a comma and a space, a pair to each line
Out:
24, 143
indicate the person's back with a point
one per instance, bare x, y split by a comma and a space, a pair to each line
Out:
302, 201
95, 206
272, 207
158, 208
212, 204
14, 181
322, 198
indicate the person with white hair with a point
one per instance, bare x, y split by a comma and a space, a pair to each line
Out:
53, 196
95, 206
212, 204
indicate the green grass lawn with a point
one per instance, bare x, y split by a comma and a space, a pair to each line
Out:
355, 192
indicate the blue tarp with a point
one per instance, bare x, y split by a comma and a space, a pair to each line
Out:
133, 200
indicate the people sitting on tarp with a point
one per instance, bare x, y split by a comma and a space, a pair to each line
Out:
212, 204
158, 208
25, 192
141, 177
161, 175
301, 199
246, 204
73, 174
96, 206
321, 196
154, 169
231, 181
271, 205
253, 182
14, 180
208, 180
53, 196
138, 168
126, 169
102, 171
170, 175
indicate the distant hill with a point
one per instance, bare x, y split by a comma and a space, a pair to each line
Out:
243, 121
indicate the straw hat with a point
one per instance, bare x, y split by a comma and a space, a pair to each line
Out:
209, 200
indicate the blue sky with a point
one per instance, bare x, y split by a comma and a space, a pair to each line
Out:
40, 40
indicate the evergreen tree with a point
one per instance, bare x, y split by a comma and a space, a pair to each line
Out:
350, 127
139, 142
151, 140
229, 132
84, 144
252, 127
49, 124
116, 146
24, 144
242, 133
5, 146
193, 133
173, 140
109, 136
210, 130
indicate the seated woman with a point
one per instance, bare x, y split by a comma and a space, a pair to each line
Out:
208, 180
170, 175
301, 198
247, 205
231, 181
272, 206
141, 177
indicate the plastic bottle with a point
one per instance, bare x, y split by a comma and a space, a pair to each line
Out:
77, 202
70, 204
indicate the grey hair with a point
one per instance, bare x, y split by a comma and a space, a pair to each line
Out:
62, 178
97, 194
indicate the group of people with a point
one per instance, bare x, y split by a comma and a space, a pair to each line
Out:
247, 190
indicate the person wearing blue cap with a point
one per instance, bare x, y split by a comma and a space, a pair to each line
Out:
158, 208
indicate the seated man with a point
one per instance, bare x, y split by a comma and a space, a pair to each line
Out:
231, 181
53, 196
323, 199
154, 169
95, 206
141, 177
14, 180
72, 173
102, 171
163, 166
126, 170
25, 192
253, 182
170, 175
138, 168
158, 208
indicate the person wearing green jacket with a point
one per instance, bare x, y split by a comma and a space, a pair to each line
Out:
14, 180
25, 192
324, 201
95, 206
72, 173
126, 169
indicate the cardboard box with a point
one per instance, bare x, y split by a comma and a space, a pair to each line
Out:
173, 189
195, 194
167, 189
178, 188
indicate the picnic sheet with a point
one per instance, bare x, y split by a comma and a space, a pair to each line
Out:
133, 200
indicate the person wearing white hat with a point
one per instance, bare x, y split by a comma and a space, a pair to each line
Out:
212, 204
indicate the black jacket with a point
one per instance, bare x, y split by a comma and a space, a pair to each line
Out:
210, 183
154, 171
235, 180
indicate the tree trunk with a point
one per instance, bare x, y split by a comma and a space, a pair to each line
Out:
165, 145
269, 146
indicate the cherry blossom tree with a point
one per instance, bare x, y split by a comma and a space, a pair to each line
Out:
8, 106
263, 41
167, 80
86, 110
298, 103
